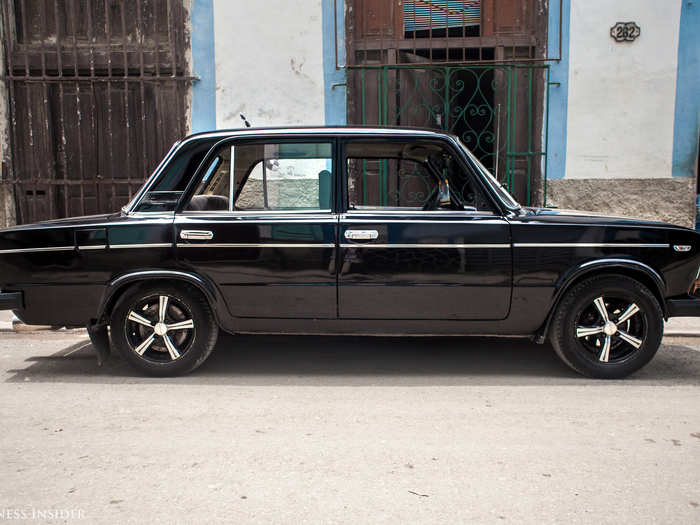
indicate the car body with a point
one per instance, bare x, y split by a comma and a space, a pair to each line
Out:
421, 258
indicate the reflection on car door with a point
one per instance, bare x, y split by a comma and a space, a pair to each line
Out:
271, 249
398, 261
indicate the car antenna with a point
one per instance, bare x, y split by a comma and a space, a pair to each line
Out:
247, 124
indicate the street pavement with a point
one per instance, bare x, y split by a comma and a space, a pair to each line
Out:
276, 429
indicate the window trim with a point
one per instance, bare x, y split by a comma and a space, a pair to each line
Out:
448, 144
192, 186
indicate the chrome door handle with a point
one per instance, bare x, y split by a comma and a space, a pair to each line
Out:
196, 235
361, 235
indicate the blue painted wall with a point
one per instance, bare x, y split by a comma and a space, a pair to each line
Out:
203, 65
334, 80
686, 127
559, 89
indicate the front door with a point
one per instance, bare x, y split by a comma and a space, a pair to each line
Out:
420, 239
260, 225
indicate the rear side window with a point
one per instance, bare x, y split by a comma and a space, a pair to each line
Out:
264, 177
167, 190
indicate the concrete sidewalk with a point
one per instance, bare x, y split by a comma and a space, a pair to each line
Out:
677, 326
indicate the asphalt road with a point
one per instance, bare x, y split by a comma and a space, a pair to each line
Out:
347, 430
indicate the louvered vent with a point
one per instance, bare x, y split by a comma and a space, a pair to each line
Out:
422, 15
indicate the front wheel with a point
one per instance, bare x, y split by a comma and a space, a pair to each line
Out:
607, 327
164, 330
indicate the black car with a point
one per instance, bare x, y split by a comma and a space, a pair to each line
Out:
344, 230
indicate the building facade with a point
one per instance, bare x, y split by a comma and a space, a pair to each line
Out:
590, 105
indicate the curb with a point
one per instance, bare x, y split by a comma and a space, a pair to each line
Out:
681, 333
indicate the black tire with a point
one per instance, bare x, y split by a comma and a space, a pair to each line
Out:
177, 351
633, 342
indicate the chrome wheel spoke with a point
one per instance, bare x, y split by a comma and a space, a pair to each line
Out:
145, 345
181, 325
629, 312
605, 352
162, 308
600, 306
174, 354
585, 331
133, 316
635, 342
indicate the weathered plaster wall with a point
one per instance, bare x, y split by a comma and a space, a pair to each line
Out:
621, 95
668, 199
269, 62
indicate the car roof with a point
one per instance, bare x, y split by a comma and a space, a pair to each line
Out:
321, 130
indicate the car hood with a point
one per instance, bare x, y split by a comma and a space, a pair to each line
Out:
551, 215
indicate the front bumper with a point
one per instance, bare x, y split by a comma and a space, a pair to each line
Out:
11, 300
687, 306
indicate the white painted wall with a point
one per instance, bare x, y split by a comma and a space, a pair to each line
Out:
621, 95
269, 62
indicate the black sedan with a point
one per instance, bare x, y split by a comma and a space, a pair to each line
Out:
346, 231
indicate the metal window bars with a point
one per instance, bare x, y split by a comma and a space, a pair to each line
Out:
97, 92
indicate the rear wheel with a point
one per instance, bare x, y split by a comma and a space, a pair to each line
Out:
607, 327
164, 330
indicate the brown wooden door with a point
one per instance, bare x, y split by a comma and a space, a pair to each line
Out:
96, 94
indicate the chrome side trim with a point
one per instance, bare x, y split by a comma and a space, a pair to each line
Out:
46, 249
429, 213
237, 219
254, 245
151, 245
457, 221
92, 247
441, 245
588, 245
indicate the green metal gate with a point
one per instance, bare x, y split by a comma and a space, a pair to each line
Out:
498, 111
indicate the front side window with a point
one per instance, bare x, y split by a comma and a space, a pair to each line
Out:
266, 177
409, 176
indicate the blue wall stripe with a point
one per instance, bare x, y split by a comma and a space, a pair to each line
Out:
203, 90
686, 126
558, 93
334, 80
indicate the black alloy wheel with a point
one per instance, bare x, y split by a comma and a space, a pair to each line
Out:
164, 330
607, 326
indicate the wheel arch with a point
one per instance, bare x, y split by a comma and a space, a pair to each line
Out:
118, 286
637, 270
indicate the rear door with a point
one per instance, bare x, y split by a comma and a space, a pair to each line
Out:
261, 226
420, 238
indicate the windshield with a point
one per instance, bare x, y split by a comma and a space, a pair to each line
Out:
492, 181
128, 206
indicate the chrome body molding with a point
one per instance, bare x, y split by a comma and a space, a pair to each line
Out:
406, 221
92, 247
588, 245
45, 249
239, 219
254, 245
151, 245
262, 213
420, 213
425, 245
